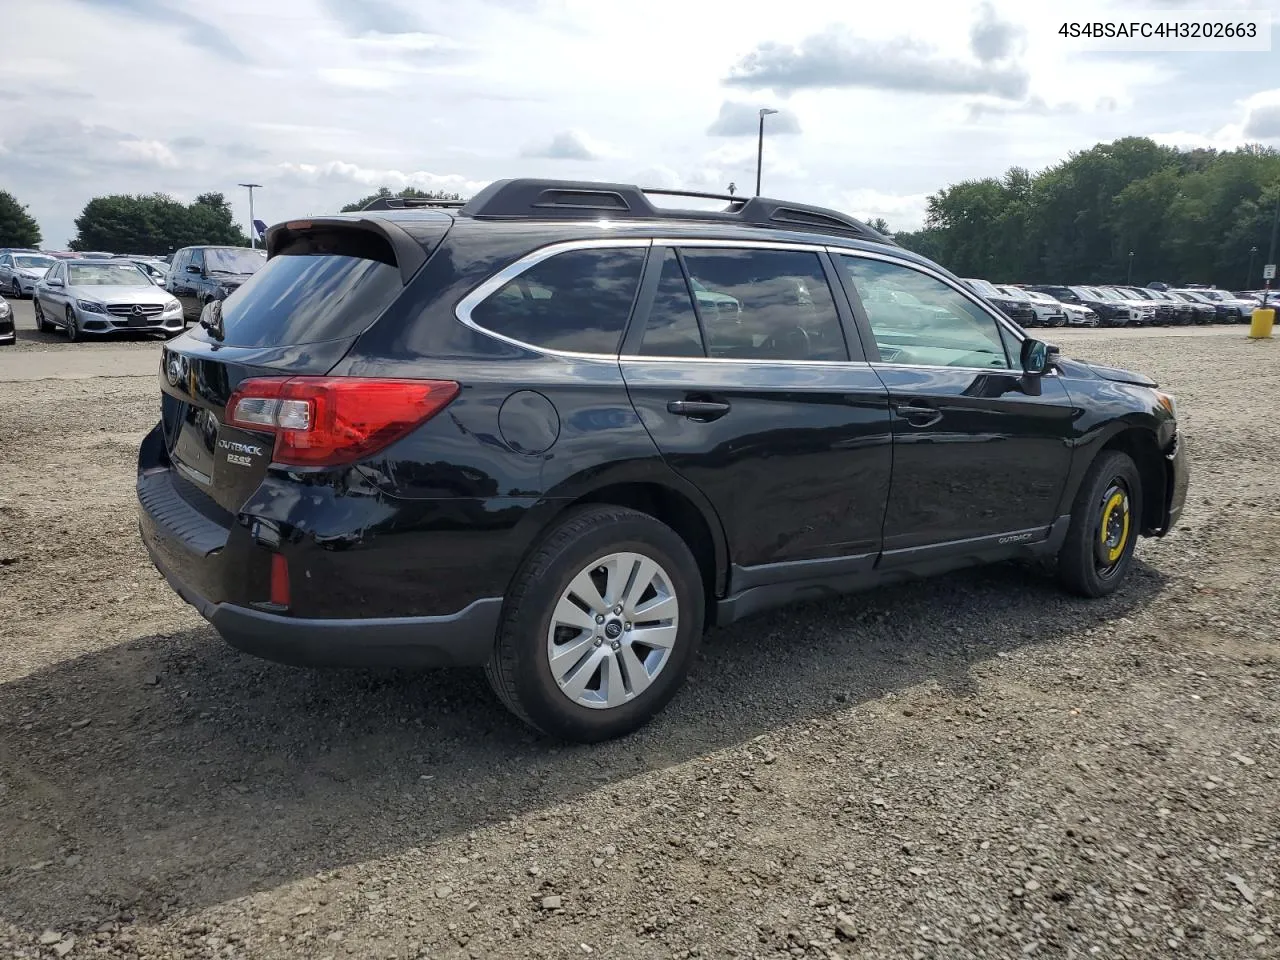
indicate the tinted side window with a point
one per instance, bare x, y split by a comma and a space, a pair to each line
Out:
672, 328
919, 320
577, 301
197, 258
765, 304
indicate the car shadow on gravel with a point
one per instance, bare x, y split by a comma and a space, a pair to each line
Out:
172, 773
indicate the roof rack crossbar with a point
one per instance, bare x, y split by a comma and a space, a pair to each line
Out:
530, 199
404, 203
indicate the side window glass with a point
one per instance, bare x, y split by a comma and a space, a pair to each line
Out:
577, 301
917, 319
765, 304
197, 258
672, 328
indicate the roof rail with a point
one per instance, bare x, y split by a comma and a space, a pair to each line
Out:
407, 203
531, 199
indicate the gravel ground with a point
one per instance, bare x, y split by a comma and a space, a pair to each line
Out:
977, 766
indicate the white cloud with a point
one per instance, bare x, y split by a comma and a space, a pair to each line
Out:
325, 100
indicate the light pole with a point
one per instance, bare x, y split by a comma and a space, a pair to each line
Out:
253, 240
764, 112
1271, 252
1129, 281
1248, 277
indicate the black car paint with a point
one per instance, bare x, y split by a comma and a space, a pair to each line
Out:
1110, 313
194, 290
812, 484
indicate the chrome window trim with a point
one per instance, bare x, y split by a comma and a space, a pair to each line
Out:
504, 276
753, 361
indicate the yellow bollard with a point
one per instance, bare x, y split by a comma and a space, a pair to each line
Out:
1263, 321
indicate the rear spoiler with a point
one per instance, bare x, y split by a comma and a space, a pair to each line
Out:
410, 252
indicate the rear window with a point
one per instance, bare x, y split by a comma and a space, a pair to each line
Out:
325, 285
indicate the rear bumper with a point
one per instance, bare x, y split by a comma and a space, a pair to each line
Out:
464, 638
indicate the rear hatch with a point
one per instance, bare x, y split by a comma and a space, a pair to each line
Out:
326, 282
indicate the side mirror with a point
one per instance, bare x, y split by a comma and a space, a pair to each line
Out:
55, 282
1035, 357
192, 268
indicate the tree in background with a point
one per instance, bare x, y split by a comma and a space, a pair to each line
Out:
1187, 216
157, 224
17, 227
879, 225
412, 193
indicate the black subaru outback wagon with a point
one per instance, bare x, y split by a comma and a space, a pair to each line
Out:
557, 431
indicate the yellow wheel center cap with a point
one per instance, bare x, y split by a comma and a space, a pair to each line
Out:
1115, 526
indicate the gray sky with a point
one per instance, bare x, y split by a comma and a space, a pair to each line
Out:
321, 101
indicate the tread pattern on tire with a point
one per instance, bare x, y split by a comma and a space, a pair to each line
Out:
499, 670
1077, 549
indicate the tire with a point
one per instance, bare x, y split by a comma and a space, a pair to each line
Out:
520, 668
73, 326
16, 289
1105, 522
42, 325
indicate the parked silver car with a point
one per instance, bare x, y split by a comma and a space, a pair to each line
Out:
19, 272
104, 296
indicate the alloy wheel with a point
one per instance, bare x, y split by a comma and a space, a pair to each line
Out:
73, 328
613, 630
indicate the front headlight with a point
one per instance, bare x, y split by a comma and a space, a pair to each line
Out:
89, 306
5, 310
1168, 401
173, 306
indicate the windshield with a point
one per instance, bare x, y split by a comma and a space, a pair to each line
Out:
984, 288
1113, 295
106, 275
232, 260
1207, 296
1086, 293
33, 263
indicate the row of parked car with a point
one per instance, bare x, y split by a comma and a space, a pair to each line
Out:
103, 293
1157, 304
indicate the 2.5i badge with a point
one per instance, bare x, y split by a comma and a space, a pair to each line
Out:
240, 454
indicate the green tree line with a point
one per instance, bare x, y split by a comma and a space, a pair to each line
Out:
155, 224
1188, 216
407, 192
17, 227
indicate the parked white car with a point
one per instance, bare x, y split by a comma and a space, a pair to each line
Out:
20, 272
1048, 314
1077, 316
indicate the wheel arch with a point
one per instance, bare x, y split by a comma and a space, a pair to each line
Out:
701, 534
1142, 447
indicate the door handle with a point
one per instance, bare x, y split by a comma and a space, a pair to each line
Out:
918, 415
698, 409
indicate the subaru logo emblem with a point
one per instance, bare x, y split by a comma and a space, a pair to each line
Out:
137, 310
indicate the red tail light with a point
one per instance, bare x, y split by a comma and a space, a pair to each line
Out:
326, 421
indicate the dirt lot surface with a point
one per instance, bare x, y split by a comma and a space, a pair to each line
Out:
977, 766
